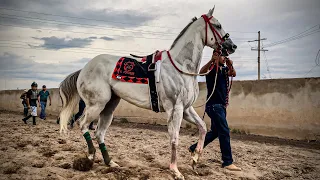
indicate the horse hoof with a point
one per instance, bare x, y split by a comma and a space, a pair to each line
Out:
179, 177
195, 159
113, 164
194, 165
91, 157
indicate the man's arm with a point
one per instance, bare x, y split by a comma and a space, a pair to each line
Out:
28, 102
28, 99
232, 71
206, 67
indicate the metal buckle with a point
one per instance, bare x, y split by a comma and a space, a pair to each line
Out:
152, 69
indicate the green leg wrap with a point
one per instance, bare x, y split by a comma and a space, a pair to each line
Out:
91, 148
104, 153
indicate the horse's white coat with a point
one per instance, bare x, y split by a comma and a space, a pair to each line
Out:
177, 92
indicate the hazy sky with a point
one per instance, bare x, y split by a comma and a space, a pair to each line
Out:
45, 40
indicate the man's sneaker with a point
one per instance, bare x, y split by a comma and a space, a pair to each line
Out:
24, 120
232, 167
190, 150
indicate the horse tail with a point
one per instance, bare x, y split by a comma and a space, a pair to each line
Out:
69, 97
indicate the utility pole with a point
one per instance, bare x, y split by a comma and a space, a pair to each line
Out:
258, 49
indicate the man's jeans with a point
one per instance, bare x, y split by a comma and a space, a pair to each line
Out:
219, 128
25, 109
43, 109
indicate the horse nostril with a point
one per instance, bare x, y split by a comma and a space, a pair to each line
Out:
234, 47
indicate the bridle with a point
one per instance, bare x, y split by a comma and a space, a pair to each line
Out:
216, 35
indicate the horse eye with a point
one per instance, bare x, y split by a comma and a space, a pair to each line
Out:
219, 26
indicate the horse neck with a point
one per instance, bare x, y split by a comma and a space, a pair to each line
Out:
188, 50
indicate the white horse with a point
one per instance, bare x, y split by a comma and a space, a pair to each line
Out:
177, 91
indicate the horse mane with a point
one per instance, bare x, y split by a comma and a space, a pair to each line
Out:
182, 32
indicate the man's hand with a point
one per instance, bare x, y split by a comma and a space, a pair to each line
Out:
50, 104
229, 62
215, 57
29, 107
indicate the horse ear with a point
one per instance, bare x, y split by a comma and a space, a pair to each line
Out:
210, 12
213, 9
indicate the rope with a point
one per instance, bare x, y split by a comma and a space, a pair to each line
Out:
214, 87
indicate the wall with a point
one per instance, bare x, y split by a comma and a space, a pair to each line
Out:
287, 108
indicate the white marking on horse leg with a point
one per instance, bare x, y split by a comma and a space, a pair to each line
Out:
174, 124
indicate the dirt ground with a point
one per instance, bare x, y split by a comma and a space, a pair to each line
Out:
143, 152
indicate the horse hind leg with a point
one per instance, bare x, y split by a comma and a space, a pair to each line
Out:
91, 113
94, 107
105, 120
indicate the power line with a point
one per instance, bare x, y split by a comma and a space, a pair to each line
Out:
69, 31
265, 57
317, 61
313, 32
68, 46
98, 20
82, 18
19, 46
32, 19
99, 34
295, 37
32, 47
106, 28
268, 68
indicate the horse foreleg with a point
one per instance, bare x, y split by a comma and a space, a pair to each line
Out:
191, 116
174, 123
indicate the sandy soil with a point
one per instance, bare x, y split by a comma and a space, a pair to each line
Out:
39, 152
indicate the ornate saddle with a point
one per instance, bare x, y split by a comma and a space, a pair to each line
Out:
131, 70
143, 72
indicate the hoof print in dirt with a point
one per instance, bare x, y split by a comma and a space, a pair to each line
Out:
97, 160
38, 164
11, 169
119, 173
22, 144
82, 164
62, 141
4, 148
65, 166
49, 153
59, 158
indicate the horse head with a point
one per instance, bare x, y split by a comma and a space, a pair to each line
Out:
218, 39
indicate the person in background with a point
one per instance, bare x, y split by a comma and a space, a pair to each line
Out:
44, 94
24, 102
82, 106
32, 98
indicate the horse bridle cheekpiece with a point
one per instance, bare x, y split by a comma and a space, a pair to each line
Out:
215, 33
